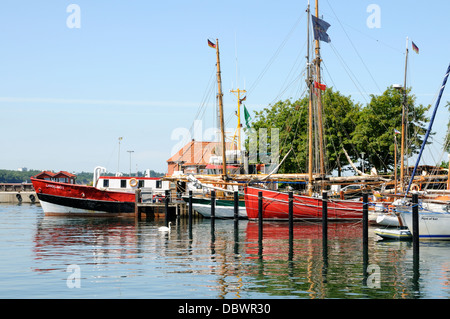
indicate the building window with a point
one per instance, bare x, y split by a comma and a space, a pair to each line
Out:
123, 183
106, 183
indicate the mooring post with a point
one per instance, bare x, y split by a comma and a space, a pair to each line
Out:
190, 211
236, 205
166, 207
365, 219
415, 224
137, 200
260, 215
291, 215
213, 209
325, 217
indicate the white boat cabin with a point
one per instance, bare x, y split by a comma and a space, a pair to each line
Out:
129, 183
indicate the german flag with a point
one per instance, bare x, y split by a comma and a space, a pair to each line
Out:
212, 45
415, 48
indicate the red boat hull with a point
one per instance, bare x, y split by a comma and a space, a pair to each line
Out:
62, 198
276, 206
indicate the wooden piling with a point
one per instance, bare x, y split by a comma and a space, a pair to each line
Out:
190, 211
213, 210
325, 217
365, 219
166, 207
236, 205
260, 215
137, 200
415, 224
291, 215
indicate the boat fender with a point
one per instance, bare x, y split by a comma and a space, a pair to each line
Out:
82, 195
415, 187
133, 182
19, 197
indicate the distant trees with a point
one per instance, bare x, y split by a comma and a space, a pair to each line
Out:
347, 126
11, 176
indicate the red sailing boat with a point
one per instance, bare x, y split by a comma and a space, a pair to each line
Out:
275, 203
276, 206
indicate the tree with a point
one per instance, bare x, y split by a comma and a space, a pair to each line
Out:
374, 133
340, 120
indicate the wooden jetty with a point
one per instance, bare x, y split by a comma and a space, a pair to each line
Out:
163, 207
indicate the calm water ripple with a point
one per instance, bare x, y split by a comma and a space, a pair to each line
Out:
45, 257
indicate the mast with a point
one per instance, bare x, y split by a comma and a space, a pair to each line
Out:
430, 125
319, 101
222, 125
238, 91
310, 111
404, 123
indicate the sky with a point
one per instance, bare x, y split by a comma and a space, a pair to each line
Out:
77, 75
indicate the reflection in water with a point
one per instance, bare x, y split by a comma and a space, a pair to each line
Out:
226, 259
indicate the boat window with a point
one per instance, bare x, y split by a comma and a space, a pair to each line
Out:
106, 183
123, 183
158, 184
141, 184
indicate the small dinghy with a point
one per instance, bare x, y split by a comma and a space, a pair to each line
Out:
394, 233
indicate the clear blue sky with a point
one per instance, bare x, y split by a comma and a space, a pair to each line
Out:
141, 69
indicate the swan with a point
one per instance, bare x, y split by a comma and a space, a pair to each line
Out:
164, 228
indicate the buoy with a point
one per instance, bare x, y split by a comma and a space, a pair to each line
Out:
164, 228
133, 182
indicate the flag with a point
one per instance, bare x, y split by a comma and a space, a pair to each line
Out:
320, 29
247, 117
415, 48
212, 45
319, 86
396, 131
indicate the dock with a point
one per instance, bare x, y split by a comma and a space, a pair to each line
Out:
168, 206
17, 193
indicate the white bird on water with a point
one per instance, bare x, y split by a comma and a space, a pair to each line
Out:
164, 228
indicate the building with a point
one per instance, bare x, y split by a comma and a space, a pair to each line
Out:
194, 157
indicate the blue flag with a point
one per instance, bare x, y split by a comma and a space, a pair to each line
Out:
320, 29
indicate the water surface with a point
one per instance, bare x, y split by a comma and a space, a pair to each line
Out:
50, 257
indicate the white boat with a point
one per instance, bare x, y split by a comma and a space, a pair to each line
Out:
434, 220
224, 208
389, 220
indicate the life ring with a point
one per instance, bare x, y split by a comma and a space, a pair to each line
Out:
415, 187
133, 182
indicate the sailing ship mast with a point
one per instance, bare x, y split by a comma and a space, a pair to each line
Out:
319, 102
310, 111
404, 123
222, 125
309, 81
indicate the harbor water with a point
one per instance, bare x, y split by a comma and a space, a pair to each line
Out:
73, 257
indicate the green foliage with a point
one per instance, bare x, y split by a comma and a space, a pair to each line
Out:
374, 133
348, 126
10, 176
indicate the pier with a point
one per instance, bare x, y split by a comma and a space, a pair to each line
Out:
169, 206
17, 193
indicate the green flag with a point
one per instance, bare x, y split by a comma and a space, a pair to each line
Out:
247, 117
